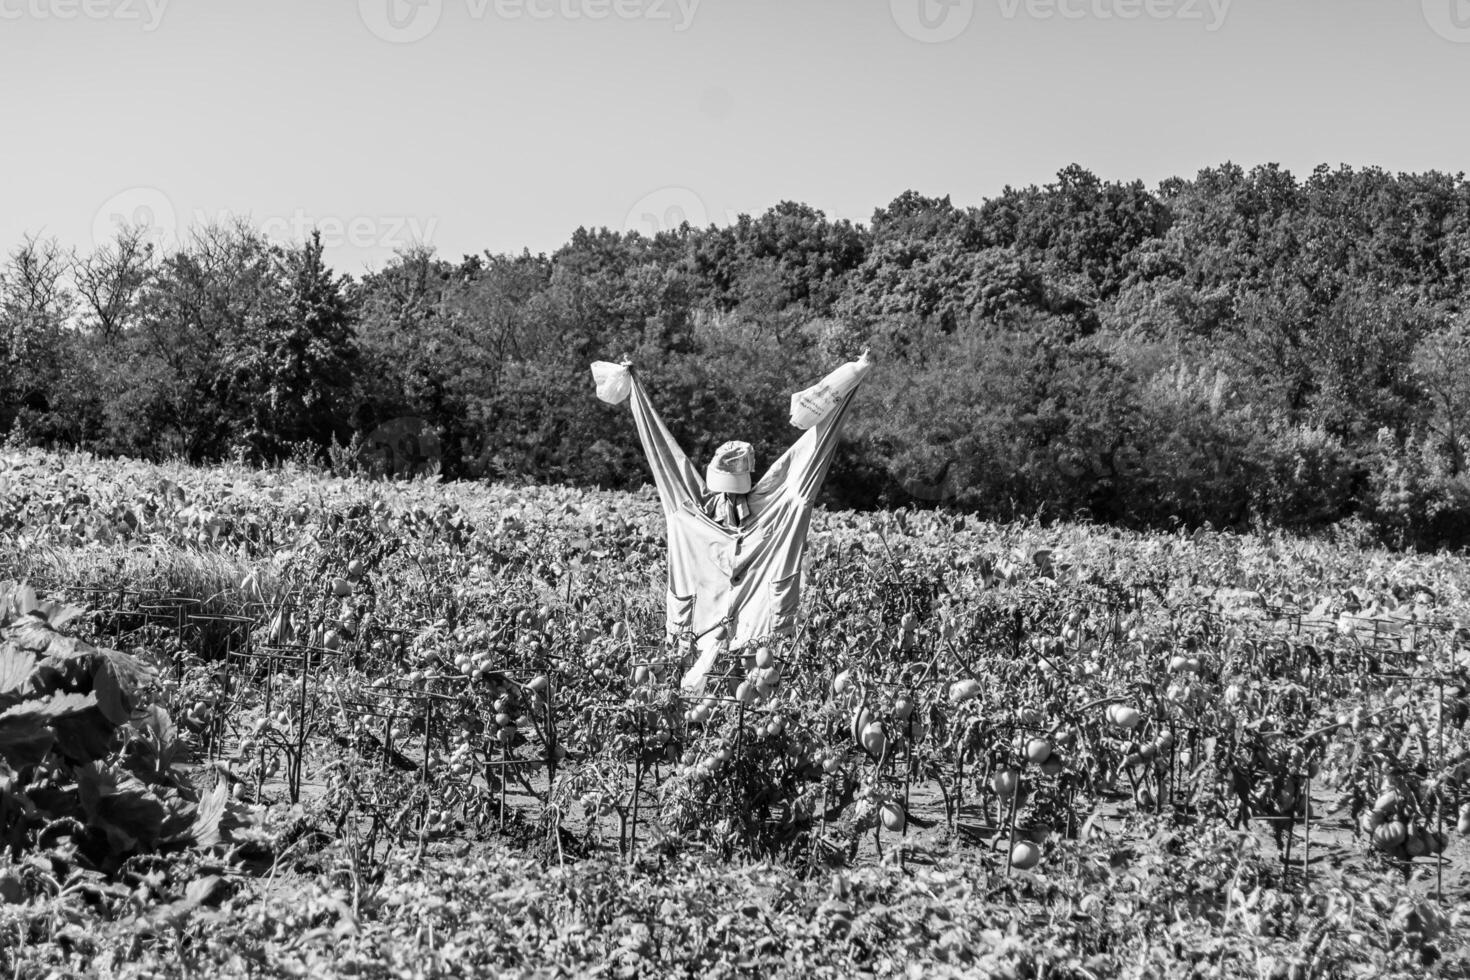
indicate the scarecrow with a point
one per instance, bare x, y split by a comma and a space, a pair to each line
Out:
735, 544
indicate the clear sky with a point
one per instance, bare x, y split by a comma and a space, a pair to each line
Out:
502, 124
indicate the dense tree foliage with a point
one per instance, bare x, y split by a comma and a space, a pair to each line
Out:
1241, 347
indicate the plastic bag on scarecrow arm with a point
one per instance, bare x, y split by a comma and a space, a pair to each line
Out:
812, 405
614, 383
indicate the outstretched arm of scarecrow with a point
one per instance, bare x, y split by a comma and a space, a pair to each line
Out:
805, 464
677, 480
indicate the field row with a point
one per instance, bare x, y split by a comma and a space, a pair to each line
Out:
422, 665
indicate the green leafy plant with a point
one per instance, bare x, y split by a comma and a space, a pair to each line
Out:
87, 766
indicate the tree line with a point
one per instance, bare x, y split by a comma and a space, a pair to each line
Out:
1245, 348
